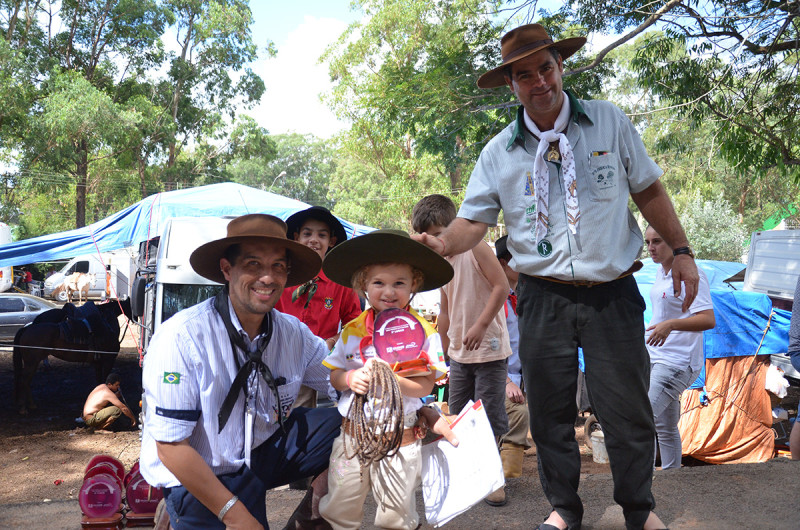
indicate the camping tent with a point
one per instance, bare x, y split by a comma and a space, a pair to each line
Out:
146, 218
726, 414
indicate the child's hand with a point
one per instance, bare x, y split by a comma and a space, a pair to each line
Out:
474, 336
358, 380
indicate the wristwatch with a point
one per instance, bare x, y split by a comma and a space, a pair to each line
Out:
683, 250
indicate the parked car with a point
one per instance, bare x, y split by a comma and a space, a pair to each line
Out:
17, 309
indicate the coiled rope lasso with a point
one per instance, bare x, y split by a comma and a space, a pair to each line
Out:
375, 424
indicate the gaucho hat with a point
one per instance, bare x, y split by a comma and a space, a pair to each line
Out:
304, 262
522, 42
320, 213
386, 246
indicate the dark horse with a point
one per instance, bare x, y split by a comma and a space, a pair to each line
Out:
75, 334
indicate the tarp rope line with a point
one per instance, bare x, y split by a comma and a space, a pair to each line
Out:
379, 434
7, 344
746, 374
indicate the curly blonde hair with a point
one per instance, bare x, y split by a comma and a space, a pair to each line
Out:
359, 279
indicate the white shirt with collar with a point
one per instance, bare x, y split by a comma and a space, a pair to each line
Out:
187, 372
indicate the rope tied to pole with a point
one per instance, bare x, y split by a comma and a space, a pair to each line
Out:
375, 419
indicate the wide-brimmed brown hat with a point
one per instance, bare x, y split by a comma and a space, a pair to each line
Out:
320, 213
522, 42
386, 246
304, 263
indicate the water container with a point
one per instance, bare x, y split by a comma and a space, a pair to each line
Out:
599, 453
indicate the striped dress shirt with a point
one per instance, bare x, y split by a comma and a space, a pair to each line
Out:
188, 371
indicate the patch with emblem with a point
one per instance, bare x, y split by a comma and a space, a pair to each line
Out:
545, 248
172, 378
530, 215
528, 184
327, 303
604, 176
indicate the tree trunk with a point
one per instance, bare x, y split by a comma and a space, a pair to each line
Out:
81, 172
12, 23
178, 90
141, 167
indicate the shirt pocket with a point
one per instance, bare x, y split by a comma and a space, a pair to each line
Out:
603, 176
288, 393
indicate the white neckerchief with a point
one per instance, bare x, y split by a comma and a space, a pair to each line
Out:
542, 175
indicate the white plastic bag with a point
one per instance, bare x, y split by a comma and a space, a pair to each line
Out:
775, 382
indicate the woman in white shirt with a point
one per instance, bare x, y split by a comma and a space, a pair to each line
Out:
675, 341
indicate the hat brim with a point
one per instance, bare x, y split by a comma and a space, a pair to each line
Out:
385, 246
496, 77
304, 263
295, 222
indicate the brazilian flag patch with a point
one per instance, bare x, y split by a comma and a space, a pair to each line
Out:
172, 378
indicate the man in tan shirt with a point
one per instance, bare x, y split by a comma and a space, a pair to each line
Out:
103, 406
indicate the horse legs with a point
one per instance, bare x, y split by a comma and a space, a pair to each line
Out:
24, 377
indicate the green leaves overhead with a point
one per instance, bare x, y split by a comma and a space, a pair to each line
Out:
97, 91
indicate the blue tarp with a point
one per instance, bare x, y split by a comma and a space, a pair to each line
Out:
741, 316
146, 218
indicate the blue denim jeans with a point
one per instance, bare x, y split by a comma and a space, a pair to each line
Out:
667, 383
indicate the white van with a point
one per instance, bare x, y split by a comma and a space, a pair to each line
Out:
166, 283
773, 266
112, 270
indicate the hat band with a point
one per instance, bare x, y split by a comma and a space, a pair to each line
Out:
532, 45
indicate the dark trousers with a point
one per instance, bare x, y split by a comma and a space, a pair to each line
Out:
606, 321
303, 451
484, 381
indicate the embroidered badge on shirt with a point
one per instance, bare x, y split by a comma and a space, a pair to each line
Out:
328, 303
528, 184
545, 248
172, 378
604, 176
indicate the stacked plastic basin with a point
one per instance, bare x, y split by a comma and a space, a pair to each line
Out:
105, 485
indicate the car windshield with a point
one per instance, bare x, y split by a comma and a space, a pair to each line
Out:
180, 296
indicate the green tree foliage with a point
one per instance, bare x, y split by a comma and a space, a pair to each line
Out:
737, 67
214, 41
690, 152
299, 166
96, 109
713, 228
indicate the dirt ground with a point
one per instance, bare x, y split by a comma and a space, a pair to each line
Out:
43, 458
